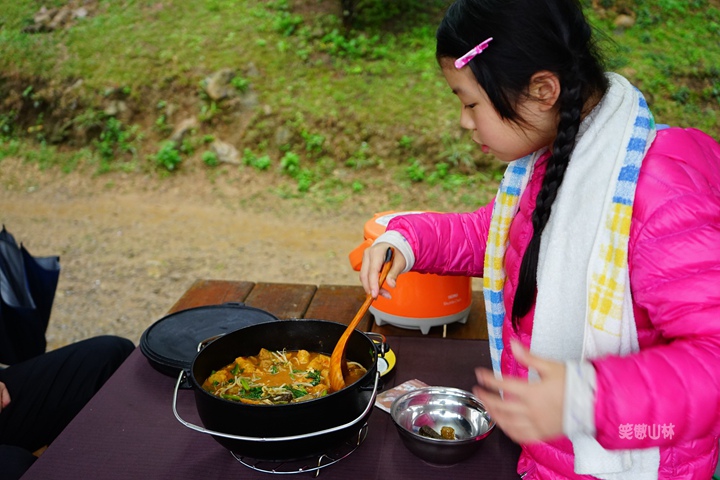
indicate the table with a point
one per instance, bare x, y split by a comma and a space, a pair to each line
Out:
339, 303
128, 430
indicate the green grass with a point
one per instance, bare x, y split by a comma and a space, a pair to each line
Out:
371, 101
673, 55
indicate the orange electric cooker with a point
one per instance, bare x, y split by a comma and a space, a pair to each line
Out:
420, 300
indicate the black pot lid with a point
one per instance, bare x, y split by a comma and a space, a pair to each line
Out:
171, 343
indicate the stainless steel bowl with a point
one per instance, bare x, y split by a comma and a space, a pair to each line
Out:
438, 407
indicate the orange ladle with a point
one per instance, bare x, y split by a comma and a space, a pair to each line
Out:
337, 359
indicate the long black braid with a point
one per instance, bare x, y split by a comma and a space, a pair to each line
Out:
571, 106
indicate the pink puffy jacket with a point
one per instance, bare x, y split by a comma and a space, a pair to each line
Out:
674, 263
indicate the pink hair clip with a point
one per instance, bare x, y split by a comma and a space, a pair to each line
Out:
465, 59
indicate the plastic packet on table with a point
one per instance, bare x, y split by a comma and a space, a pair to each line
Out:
385, 399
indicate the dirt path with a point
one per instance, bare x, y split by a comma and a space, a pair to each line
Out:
130, 246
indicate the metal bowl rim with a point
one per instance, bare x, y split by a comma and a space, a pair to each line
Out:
455, 392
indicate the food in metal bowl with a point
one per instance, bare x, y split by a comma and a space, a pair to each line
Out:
420, 414
446, 433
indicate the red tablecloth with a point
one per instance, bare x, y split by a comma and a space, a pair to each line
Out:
128, 430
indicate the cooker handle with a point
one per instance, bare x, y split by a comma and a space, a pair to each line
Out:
200, 429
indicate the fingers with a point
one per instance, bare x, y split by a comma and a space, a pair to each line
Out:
4, 396
511, 416
373, 259
527, 412
370, 270
524, 357
397, 267
509, 386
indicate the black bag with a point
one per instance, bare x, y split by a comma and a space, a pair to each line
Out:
27, 291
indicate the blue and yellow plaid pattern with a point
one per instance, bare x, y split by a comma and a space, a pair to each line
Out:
506, 205
609, 274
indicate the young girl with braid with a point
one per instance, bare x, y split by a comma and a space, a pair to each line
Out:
600, 254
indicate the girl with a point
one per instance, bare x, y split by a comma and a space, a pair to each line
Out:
600, 254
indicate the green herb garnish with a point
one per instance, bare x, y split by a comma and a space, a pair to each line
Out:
253, 393
297, 392
313, 375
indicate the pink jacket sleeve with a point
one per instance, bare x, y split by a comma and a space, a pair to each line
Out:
447, 243
672, 386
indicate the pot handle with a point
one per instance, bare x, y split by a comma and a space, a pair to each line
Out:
207, 342
381, 345
200, 429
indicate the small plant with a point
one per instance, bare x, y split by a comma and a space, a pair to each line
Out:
252, 160
415, 171
357, 47
241, 84
454, 182
313, 142
262, 163
405, 142
45, 156
290, 164
187, 147
210, 158
161, 122
9, 147
279, 5
441, 172
7, 125
168, 156
286, 23
360, 157
209, 111
115, 139
305, 179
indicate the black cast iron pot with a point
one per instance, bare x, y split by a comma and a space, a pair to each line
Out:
289, 431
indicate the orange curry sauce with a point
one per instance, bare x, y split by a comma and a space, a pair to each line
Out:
277, 377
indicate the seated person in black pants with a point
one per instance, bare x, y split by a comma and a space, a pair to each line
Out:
40, 396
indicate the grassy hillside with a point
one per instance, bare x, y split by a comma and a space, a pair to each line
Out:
332, 114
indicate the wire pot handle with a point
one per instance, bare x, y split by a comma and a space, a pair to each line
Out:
200, 429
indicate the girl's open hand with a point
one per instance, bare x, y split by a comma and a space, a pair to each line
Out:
373, 258
4, 396
529, 412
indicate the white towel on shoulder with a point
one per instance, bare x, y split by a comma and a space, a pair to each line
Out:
583, 285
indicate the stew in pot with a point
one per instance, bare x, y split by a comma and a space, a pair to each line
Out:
277, 377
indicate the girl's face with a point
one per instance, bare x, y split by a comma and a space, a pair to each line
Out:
506, 140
